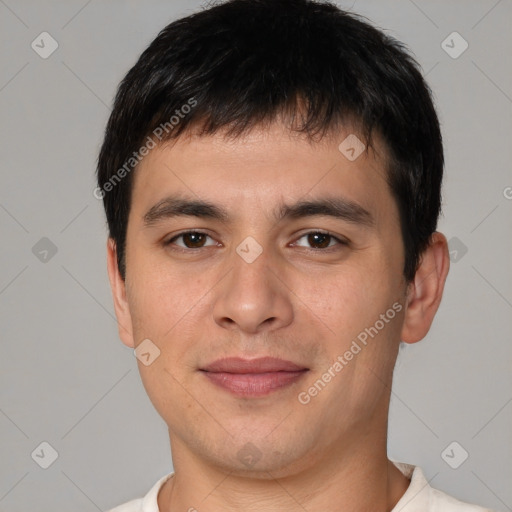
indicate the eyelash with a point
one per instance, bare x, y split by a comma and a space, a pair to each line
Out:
340, 241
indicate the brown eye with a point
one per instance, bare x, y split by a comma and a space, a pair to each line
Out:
190, 240
318, 240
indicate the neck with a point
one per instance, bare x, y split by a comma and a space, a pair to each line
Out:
356, 478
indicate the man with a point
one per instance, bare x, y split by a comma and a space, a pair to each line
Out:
271, 176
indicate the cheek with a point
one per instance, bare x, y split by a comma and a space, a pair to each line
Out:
166, 308
346, 301
162, 296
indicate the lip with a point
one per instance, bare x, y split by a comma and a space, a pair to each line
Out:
259, 365
253, 377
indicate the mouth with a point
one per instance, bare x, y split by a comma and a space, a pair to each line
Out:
253, 377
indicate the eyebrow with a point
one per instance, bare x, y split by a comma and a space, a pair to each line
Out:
336, 207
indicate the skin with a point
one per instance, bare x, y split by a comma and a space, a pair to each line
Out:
297, 301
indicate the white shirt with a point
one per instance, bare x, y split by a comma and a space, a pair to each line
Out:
419, 497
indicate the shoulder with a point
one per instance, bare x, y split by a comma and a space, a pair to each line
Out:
421, 497
131, 506
441, 501
148, 503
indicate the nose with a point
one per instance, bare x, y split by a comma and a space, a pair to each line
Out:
253, 297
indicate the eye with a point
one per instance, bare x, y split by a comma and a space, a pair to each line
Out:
315, 240
191, 240
320, 240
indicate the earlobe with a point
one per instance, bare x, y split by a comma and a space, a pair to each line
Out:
426, 290
118, 287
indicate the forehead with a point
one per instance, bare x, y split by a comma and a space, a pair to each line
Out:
263, 167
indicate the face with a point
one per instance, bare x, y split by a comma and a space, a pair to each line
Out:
265, 246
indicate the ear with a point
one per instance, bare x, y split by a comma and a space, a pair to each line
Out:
118, 286
425, 292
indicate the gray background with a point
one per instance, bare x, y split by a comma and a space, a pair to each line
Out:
66, 378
